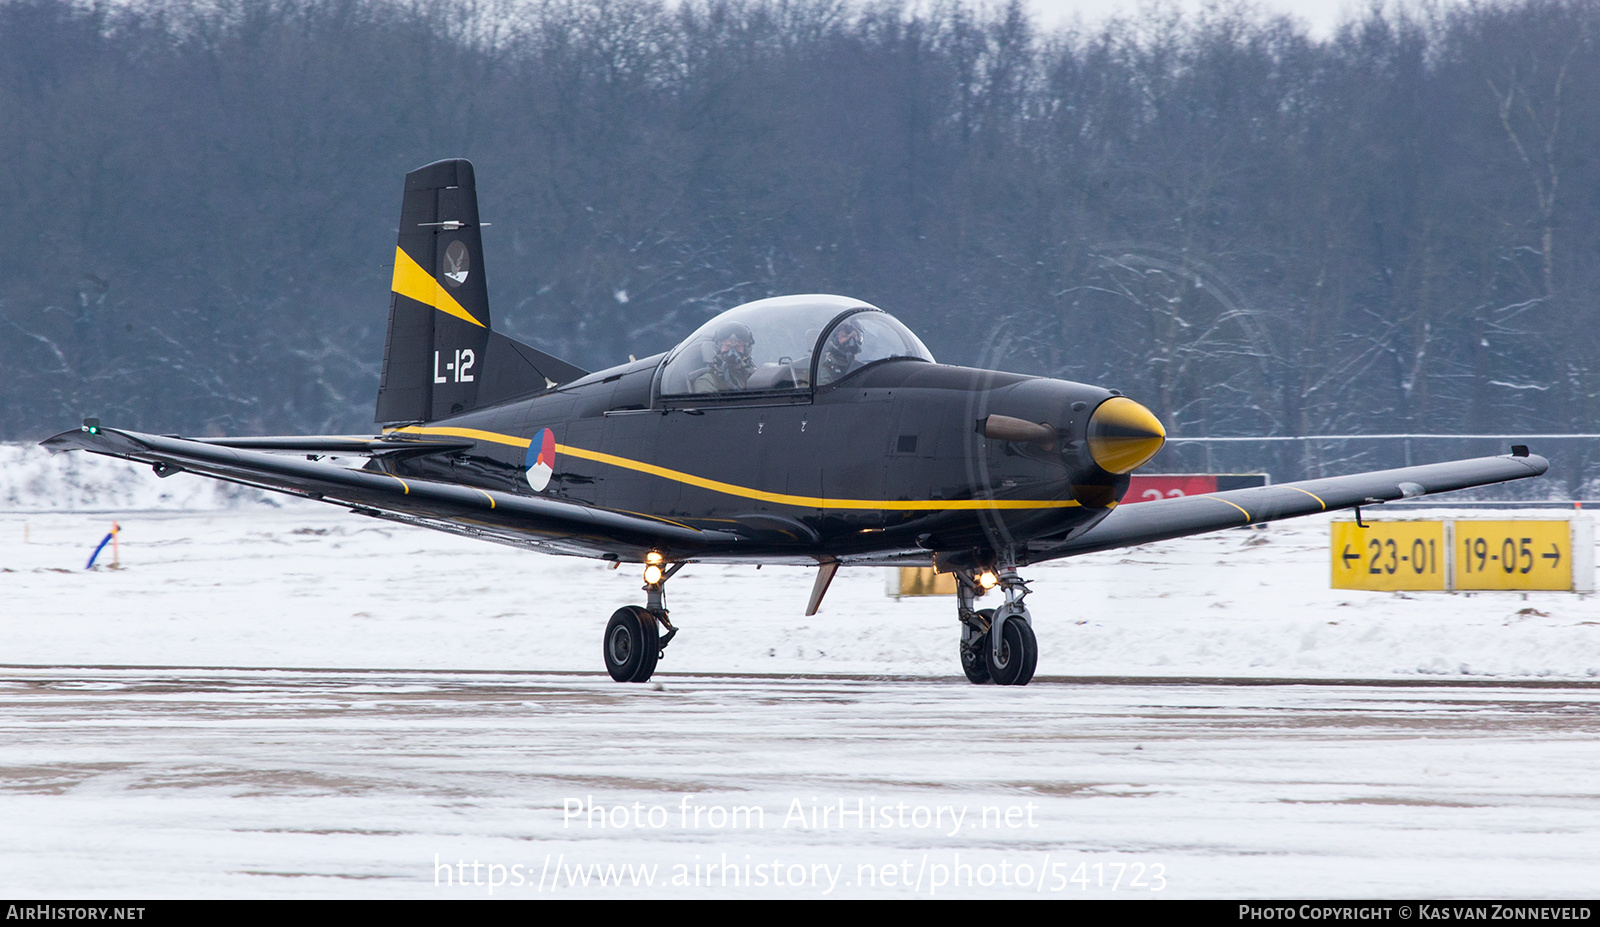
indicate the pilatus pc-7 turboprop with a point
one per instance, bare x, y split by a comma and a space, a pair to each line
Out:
803, 430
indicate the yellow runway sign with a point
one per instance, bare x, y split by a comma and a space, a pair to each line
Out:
1518, 555
1390, 555
920, 581
1465, 555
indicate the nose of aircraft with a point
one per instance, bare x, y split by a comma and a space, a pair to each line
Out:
1123, 435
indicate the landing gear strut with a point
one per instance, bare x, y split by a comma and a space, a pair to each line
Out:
634, 642
997, 644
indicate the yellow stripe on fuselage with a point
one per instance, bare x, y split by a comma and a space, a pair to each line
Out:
812, 502
411, 280
477, 435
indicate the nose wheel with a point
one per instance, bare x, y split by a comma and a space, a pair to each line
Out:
633, 642
1010, 659
1018, 655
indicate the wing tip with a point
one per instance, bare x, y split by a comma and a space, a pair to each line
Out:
1520, 453
78, 439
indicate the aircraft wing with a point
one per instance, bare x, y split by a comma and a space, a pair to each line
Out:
538, 522
1161, 520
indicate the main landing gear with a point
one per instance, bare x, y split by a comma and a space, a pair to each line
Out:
997, 644
633, 641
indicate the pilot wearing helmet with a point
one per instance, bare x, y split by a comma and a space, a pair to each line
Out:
840, 351
731, 363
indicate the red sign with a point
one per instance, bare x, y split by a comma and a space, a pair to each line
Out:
1161, 486
1152, 486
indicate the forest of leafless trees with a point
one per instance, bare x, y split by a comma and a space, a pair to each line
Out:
1254, 232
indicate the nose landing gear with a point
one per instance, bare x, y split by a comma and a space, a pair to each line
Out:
633, 642
997, 644
975, 643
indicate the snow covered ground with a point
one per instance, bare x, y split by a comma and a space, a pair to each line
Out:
487, 712
212, 575
321, 784
309, 586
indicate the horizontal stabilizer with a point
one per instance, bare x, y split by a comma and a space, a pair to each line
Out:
335, 445
540, 522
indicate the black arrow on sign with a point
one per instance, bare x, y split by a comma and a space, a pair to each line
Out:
1554, 556
1349, 556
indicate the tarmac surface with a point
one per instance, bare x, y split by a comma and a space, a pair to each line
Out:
227, 782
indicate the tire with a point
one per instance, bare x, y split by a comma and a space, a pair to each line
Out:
1030, 651
1019, 655
652, 646
975, 662
631, 645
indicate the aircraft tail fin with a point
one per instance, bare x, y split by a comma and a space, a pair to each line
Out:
440, 357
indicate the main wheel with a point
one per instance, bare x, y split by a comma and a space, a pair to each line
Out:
631, 645
1019, 655
975, 656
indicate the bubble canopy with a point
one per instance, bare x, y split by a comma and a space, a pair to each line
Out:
786, 343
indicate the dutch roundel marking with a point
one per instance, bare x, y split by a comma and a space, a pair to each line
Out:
541, 460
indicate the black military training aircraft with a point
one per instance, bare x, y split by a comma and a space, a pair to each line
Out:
810, 430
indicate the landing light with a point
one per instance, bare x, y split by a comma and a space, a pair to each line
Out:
652, 557
652, 573
987, 580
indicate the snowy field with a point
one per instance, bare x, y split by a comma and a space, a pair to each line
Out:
307, 784
182, 724
212, 575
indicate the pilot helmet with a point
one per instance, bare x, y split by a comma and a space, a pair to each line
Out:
843, 344
733, 342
